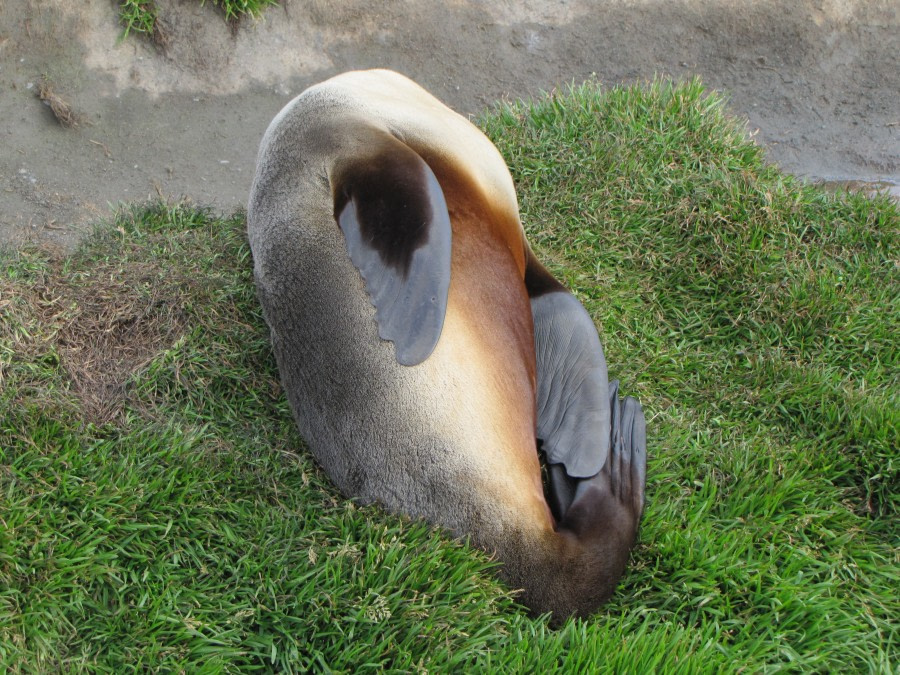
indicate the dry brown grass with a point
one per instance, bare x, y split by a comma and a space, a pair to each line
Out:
62, 109
98, 327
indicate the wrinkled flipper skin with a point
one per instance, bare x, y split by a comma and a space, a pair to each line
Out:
394, 218
595, 444
572, 386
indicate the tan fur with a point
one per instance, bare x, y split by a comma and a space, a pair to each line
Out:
452, 439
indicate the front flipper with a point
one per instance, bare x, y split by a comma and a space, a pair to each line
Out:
392, 211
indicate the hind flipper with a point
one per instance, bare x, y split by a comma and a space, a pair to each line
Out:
572, 388
623, 478
590, 438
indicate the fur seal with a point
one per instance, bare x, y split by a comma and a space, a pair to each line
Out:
426, 353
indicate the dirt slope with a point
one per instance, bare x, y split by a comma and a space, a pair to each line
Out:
819, 83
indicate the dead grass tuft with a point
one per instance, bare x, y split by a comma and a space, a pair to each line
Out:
61, 108
119, 325
100, 327
161, 35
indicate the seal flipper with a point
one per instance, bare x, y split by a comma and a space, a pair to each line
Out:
572, 386
624, 475
593, 442
634, 435
394, 218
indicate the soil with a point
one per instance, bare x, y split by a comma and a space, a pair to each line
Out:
818, 82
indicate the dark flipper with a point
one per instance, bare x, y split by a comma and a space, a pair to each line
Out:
392, 212
590, 438
624, 475
572, 388
634, 448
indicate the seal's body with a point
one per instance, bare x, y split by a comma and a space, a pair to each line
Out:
424, 350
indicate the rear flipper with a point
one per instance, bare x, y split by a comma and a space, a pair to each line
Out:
623, 476
596, 456
595, 444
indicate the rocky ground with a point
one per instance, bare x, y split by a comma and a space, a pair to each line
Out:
817, 81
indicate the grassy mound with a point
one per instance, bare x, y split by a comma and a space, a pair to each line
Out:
158, 509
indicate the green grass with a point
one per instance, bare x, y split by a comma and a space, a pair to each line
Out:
158, 511
142, 16
138, 16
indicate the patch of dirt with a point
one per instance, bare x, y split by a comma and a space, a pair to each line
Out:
817, 81
115, 330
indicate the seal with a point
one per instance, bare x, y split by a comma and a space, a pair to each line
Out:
428, 357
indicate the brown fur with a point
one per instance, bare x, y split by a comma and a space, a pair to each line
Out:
451, 439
